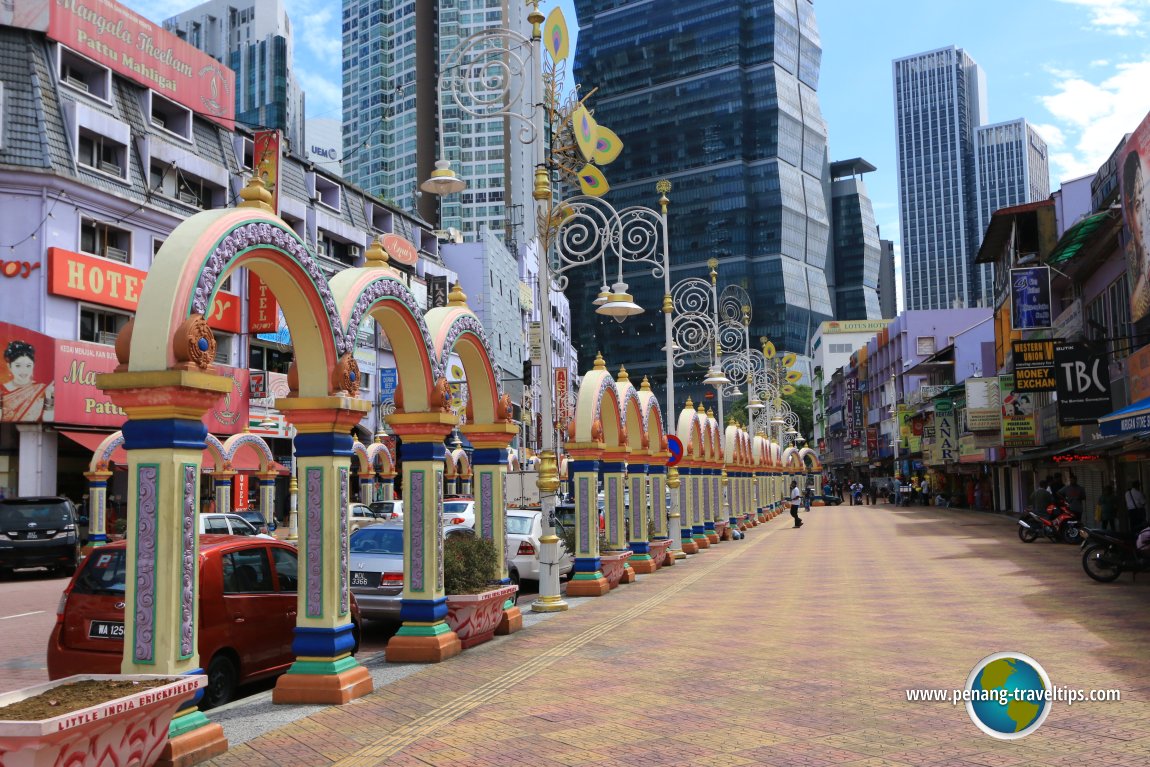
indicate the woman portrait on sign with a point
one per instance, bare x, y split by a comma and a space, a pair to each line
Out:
21, 398
1137, 248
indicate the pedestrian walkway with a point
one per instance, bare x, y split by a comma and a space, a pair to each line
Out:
792, 647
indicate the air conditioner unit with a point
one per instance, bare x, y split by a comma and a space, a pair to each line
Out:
159, 122
111, 167
117, 253
104, 337
353, 251
189, 197
321, 248
77, 83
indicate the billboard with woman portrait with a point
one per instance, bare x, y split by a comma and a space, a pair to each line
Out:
27, 370
1136, 217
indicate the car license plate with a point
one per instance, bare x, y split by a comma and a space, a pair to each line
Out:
364, 579
106, 630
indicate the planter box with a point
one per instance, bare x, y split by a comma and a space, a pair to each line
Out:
660, 552
613, 564
474, 617
130, 730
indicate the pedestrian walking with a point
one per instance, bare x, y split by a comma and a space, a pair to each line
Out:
807, 493
796, 498
1108, 508
1041, 497
1135, 507
1075, 497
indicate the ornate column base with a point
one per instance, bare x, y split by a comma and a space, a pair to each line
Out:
629, 573
423, 643
197, 740
511, 621
587, 585
689, 546
643, 564
699, 535
727, 535
323, 681
715, 534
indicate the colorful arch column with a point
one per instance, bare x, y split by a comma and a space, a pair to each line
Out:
164, 438
366, 487
489, 468
97, 507
268, 496
687, 503
586, 580
324, 671
704, 503
387, 485
222, 481
425, 636
641, 561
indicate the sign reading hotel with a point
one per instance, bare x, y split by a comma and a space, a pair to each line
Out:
854, 326
110, 283
263, 311
130, 45
1034, 366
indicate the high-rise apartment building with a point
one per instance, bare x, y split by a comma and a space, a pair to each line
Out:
854, 243
939, 99
719, 97
1010, 168
390, 115
887, 289
254, 38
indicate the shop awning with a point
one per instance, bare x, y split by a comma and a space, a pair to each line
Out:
1075, 238
1117, 442
245, 460
1132, 418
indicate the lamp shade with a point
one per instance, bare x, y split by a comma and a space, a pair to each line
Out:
716, 377
755, 404
603, 297
619, 305
443, 180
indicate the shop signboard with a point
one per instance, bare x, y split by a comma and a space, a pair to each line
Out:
561, 396
968, 450
983, 409
1138, 374
1030, 298
1018, 422
27, 376
872, 441
388, 383
1083, 383
1034, 366
945, 431
111, 283
263, 310
437, 291
81, 402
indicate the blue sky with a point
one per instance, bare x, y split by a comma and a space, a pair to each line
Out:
1077, 69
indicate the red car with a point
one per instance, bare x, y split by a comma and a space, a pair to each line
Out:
246, 624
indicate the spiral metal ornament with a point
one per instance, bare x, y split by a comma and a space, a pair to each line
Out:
692, 337
731, 336
640, 231
692, 296
584, 234
488, 74
732, 301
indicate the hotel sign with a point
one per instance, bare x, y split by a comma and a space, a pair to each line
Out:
110, 283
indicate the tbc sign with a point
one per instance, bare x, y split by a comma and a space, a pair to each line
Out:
1083, 384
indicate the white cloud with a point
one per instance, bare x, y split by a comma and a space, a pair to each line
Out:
1100, 63
1051, 134
1116, 17
1093, 116
324, 95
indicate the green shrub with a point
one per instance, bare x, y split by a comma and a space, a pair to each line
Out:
120, 526
469, 565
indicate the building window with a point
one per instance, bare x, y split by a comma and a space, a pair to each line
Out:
269, 358
100, 326
102, 154
103, 239
170, 116
81, 74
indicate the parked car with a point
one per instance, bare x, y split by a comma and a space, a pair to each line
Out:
228, 524
392, 509
459, 511
256, 519
247, 601
524, 529
39, 532
376, 567
359, 515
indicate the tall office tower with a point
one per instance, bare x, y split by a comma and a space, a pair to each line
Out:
854, 243
719, 97
393, 53
887, 289
254, 38
1011, 168
939, 98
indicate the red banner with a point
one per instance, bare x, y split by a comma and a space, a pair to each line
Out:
263, 314
79, 401
110, 283
872, 441
240, 492
561, 397
27, 392
130, 45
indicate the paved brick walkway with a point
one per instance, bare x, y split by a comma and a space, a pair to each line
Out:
792, 647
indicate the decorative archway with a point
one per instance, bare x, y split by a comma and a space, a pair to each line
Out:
652, 456
689, 429
596, 428
382, 463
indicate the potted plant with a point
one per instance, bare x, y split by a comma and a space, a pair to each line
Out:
474, 604
92, 719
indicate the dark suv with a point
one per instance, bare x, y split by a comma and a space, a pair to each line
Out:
38, 532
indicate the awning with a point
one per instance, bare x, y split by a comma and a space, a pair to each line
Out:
1132, 418
1119, 441
1074, 238
246, 460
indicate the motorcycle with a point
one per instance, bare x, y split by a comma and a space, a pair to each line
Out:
1058, 524
1107, 555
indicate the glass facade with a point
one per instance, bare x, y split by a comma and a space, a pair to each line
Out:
857, 253
719, 98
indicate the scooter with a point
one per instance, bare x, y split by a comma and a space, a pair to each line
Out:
1107, 555
1058, 524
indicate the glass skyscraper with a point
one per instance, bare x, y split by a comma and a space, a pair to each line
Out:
939, 98
719, 97
855, 243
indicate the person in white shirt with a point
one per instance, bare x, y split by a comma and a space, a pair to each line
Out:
1135, 507
796, 499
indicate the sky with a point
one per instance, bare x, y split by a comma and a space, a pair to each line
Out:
1076, 69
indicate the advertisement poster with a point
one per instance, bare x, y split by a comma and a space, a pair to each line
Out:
1030, 298
1018, 418
983, 409
27, 388
1083, 384
1138, 374
128, 44
388, 383
80, 402
1134, 175
1034, 365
